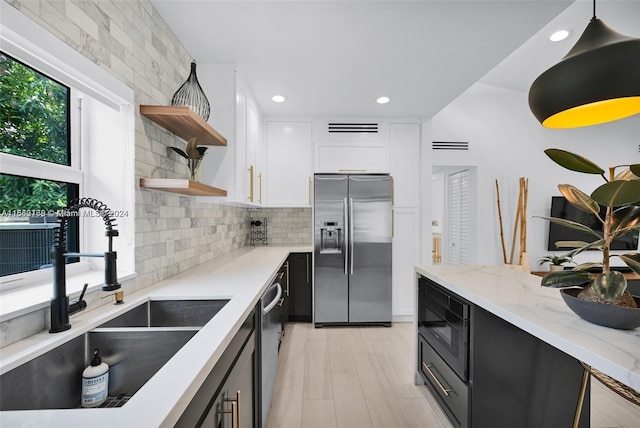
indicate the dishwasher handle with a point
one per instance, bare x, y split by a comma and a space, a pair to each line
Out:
274, 302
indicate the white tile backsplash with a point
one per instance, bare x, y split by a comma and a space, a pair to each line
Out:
132, 42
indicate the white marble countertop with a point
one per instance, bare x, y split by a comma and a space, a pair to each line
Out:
241, 276
518, 298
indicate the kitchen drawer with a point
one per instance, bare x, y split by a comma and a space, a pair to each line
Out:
447, 388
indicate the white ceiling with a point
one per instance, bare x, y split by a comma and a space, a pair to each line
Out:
334, 58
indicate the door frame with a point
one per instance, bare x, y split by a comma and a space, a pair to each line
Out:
446, 205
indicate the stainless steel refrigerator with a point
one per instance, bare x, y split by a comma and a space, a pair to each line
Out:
352, 249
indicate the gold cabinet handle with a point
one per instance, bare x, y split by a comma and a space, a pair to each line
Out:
393, 223
223, 412
260, 188
393, 191
250, 183
281, 302
444, 390
353, 170
235, 410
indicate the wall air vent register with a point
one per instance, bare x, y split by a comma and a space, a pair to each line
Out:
350, 128
450, 145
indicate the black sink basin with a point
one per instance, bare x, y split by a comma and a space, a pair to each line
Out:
135, 344
54, 379
169, 313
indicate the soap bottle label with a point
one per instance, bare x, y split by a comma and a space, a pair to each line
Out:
94, 389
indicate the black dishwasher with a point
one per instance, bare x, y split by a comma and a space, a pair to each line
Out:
270, 325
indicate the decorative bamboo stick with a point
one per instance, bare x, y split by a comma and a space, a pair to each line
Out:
504, 250
525, 199
524, 256
523, 219
516, 227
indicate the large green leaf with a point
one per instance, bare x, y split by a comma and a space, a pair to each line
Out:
565, 278
609, 285
586, 266
579, 199
595, 244
572, 224
635, 168
570, 244
632, 260
625, 219
627, 174
573, 162
617, 193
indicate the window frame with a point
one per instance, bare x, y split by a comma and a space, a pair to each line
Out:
34, 46
74, 174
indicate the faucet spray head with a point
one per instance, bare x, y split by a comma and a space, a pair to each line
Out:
110, 272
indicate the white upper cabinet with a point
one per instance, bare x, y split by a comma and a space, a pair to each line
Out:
255, 153
249, 171
351, 146
234, 113
242, 172
404, 140
289, 165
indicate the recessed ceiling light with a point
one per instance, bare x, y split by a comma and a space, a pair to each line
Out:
382, 100
559, 35
279, 98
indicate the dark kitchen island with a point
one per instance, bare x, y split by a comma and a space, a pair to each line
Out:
498, 350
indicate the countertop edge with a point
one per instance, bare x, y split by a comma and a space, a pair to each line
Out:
170, 390
543, 314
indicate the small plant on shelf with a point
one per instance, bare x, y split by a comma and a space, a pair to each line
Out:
193, 154
555, 260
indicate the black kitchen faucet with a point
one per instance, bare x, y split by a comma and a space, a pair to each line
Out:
60, 307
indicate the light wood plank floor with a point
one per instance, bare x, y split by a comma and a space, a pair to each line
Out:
362, 377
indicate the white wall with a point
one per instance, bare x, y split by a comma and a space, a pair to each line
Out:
506, 142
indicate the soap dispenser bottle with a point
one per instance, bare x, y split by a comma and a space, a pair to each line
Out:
95, 382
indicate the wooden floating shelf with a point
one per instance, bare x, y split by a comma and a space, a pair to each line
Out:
181, 185
184, 123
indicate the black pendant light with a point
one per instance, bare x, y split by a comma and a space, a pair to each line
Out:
598, 81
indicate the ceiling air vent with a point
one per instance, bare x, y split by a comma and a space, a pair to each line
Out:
450, 145
350, 128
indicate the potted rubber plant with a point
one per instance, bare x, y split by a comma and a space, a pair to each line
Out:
600, 298
556, 261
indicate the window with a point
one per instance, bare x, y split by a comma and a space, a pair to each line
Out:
34, 113
92, 156
35, 124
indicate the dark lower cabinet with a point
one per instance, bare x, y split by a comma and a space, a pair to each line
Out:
514, 378
451, 393
519, 380
234, 404
228, 396
300, 289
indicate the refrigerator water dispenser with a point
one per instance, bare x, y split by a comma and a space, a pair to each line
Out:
330, 238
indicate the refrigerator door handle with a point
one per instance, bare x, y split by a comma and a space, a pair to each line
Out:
346, 235
351, 239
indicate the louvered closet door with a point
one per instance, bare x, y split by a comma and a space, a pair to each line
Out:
459, 221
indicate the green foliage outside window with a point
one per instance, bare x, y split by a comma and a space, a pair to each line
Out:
34, 123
